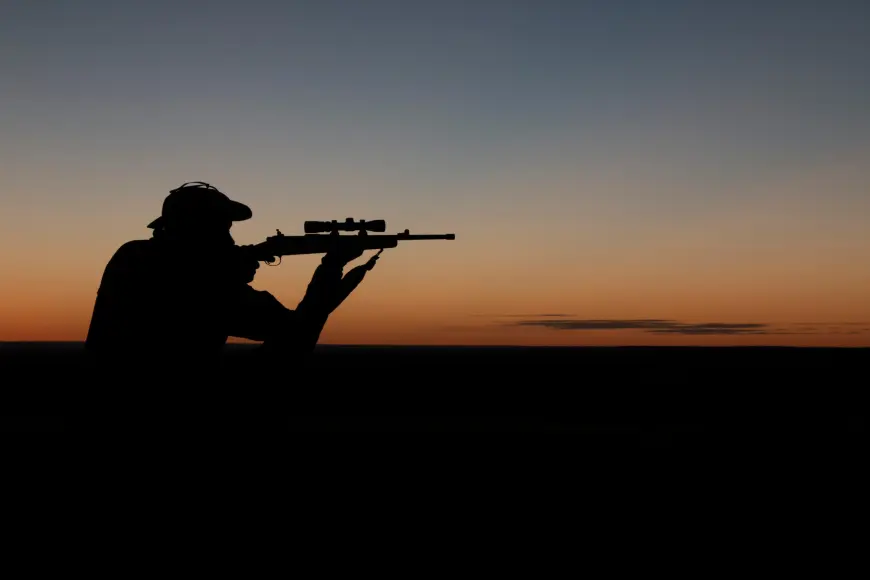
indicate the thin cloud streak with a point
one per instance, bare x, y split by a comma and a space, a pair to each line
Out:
664, 326
655, 326
520, 315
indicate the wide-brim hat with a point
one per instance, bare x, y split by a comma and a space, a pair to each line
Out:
197, 200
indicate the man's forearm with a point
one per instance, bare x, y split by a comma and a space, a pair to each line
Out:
326, 291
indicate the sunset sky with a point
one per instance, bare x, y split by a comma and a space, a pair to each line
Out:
615, 171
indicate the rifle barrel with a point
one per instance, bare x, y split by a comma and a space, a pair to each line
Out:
427, 237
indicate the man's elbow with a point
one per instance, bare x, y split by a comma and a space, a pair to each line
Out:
297, 330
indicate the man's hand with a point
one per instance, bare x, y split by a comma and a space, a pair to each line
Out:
373, 260
343, 255
248, 270
243, 267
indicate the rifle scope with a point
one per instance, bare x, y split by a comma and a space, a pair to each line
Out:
348, 225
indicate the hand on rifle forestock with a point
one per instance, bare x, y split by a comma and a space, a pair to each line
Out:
343, 255
351, 280
344, 259
373, 260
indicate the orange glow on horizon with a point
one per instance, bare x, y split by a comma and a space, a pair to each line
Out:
708, 170
757, 260
374, 320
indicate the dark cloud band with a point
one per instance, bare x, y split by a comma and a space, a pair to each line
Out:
667, 326
656, 326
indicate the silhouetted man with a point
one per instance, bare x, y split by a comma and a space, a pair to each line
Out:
177, 297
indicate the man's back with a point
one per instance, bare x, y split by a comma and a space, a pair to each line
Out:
153, 298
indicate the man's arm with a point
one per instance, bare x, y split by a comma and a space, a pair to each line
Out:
260, 316
324, 288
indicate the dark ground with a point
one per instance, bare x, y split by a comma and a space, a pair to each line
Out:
649, 395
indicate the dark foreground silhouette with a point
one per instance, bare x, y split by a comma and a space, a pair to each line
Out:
656, 396
172, 301
166, 306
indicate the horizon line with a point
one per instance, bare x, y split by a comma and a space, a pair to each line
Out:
492, 346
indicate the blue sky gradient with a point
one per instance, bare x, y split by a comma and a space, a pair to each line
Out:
624, 125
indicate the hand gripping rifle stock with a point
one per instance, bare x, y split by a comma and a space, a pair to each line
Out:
324, 237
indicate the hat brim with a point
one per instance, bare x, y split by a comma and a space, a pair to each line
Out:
238, 212
234, 210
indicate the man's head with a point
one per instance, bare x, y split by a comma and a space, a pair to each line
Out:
197, 208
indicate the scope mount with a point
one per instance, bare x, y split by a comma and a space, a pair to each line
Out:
349, 224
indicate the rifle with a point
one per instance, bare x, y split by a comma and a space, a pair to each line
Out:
323, 237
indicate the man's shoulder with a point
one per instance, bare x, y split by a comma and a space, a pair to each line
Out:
137, 249
134, 253
136, 246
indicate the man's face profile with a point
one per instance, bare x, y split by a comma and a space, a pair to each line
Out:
203, 229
